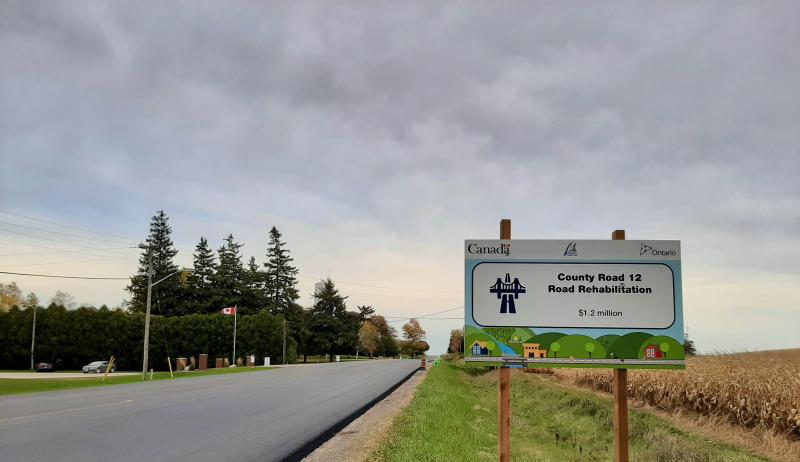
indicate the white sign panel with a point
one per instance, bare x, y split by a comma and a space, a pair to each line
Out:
604, 303
573, 294
575, 284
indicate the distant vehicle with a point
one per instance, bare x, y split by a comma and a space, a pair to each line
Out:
98, 367
45, 367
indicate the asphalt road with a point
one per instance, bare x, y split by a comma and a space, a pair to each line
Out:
258, 416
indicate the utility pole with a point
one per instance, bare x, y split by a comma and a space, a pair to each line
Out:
33, 335
147, 316
284, 341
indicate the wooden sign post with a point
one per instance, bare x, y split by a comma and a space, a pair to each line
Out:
626, 293
620, 397
504, 396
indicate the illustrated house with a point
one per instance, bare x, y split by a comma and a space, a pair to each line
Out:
653, 352
531, 350
479, 348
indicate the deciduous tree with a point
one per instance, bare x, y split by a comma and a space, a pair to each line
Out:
414, 334
10, 295
369, 338
63, 299
456, 345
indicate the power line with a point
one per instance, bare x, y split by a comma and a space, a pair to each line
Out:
373, 286
68, 262
59, 232
426, 319
66, 226
393, 288
440, 312
39, 246
52, 240
426, 316
54, 250
64, 277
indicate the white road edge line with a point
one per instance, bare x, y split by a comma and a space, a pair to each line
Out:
64, 411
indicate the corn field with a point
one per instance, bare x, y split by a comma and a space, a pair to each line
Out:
751, 389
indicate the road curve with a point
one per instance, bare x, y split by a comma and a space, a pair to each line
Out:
259, 416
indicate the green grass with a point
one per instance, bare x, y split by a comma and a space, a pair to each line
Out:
18, 386
454, 417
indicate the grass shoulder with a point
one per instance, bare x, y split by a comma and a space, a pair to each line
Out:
46, 383
454, 417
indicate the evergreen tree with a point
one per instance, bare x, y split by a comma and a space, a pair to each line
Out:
302, 332
229, 278
254, 297
329, 319
366, 312
159, 250
201, 281
281, 276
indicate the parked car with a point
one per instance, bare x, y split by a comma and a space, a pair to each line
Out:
98, 367
45, 367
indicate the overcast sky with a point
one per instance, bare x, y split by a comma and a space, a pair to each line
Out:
378, 135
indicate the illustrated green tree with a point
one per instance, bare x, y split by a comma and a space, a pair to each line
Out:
200, 282
502, 334
589, 348
555, 347
160, 251
228, 281
281, 276
664, 348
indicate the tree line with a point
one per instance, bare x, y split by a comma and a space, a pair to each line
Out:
186, 305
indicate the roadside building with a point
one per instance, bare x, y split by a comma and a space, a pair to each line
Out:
532, 350
653, 352
479, 348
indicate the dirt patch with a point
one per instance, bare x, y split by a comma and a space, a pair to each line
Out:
356, 441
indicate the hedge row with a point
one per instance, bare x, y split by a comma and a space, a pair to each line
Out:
73, 338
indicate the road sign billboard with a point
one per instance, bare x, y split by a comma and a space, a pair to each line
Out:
579, 303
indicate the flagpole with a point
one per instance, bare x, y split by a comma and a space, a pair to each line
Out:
234, 335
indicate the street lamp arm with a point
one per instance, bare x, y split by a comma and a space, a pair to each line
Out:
182, 270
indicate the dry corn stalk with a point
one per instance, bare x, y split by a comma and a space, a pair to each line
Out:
752, 389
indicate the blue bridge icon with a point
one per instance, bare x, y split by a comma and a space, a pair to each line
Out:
505, 290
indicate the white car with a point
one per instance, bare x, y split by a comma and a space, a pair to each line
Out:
98, 367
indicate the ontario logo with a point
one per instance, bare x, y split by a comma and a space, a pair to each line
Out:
645, 249
571, 250
507, 291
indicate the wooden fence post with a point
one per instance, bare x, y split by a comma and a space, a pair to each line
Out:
620, 397
504, 391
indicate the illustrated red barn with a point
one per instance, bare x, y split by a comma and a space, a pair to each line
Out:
653, 352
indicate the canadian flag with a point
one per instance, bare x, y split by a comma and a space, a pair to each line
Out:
231, 310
